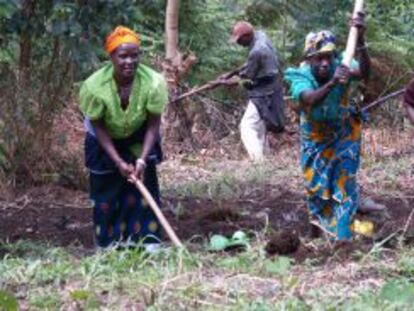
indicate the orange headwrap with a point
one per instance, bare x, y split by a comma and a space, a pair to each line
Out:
120, 36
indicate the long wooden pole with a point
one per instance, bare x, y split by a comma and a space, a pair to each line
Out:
210, 84
154, 206
353, 35
383, 100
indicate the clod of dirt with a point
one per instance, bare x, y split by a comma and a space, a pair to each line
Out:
221, 214
283, 243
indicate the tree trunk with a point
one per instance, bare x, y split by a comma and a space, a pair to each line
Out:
176, 124
28, 7
171, 32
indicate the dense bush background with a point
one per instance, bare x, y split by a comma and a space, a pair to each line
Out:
47, 47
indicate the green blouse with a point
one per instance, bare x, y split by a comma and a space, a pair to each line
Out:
99, 100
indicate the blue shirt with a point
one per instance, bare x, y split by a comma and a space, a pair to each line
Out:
332, 107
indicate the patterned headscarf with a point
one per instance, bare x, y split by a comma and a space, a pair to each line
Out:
120, 36
409, 94
323, 41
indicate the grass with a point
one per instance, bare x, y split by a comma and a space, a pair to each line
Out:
228, 181
54, 278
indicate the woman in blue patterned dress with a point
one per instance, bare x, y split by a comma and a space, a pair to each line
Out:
330, 129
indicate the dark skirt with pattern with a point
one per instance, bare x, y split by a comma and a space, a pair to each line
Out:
120, 213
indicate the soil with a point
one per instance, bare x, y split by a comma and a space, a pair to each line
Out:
63, 217
283, 243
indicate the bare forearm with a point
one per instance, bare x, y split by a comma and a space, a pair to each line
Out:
151, 135
310, 98
106, 142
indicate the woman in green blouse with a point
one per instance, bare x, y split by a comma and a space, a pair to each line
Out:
122, 104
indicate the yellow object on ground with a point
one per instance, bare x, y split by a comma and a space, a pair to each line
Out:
365, 228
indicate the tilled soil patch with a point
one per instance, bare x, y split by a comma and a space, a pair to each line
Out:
63, 217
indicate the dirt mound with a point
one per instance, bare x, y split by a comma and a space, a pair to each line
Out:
283, 243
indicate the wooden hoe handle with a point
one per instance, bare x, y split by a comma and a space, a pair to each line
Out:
154, 206
353, 36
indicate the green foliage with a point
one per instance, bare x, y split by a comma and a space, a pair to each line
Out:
7, 8
406, 264
46, 301
279, 266
398, 293
8, 302
390, 24
391, 30
79, 26
85, 298
292, 304
176, 280
243, 262
80, 294
205, 27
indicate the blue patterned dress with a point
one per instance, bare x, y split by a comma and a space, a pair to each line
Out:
330, 151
